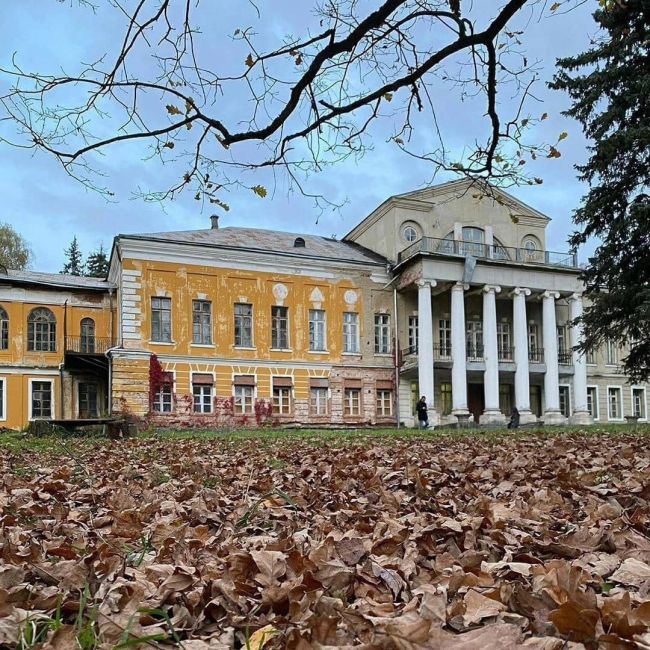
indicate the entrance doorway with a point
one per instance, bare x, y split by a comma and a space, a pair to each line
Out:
88, 400
475, 400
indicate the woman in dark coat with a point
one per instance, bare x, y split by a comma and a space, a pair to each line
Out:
423, 416
514, 419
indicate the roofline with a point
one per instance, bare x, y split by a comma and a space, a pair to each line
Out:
263, 251
53, 284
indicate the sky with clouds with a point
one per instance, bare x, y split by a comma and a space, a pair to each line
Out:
48, 207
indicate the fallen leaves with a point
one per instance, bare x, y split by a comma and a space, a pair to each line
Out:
534, 542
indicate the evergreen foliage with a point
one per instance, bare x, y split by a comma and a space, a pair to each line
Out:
74, 259
97, 263
609, 86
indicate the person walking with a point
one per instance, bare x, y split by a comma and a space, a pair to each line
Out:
514, 419
423, 416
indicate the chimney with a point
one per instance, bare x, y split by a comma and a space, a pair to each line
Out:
214, 222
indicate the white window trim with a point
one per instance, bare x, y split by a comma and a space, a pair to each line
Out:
325, 349
328, 397
214, 389
570, 398
291, 393
173, 373
645, 401
597, 406
3, 415
232, 381
30, 381
620, 392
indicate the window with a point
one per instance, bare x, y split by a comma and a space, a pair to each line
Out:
505, 399
3, 414
163, 398
88, 401
244, 399
445, 398
409, 233
413, 333
202, 386
473, 240
565, 404
504, 341
318, 400
534, 350
384, 403
352, 401
243, 325
281, 399
474, 340
41, 330
611, 352
41, 399
317, 339
591, 357
444, 334
614, 408
530, 245
592, 401
280, 328
350, 332
202, 322
638, 403
87, 343
382, 334
4, 329
161, 320
561, 339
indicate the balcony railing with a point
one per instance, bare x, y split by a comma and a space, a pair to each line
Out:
506, 354
442, 352
474, 352
87, 344
433, 245
565, 358
535, 355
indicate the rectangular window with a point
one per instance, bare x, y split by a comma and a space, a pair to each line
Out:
318, 400
614, 407
88, 400
611, 351
444, 334
591, 357
382, 334
413, 333
3, 415
243, 325
534, 350
445, 398
202, 387
163, 399
161, 320
317, 338
504, 341
281, 400
350, 332
280, 328
565, 404
202, 322
4, 330
244, 399
41, 399
505, 399
561, 339
474, 340
352, 401
638, 403
592, 401
384, 403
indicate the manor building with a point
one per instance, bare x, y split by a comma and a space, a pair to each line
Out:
448, 292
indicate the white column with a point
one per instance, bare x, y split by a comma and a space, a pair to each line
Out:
458, 356
580, 413
491, 413
489, 240
425, 343
520, 335
552, 413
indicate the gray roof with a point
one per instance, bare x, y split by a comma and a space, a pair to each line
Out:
268, 241
56, 280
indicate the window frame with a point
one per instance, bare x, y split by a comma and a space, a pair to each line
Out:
621, 417
382, 333
319, 390
504, 335
444, 337
383, 398
32, 324
351, 338
409, 227
3, 399
596, 402
157, 308
633, 390
201, 403
413, 331
158, 397
243, 322
4, 329
611, 353
316, 326
349, 402
568, 399
97, 397
87, 339
243, 404
32, 381
199, 326
446, 398
280, 328
281, 400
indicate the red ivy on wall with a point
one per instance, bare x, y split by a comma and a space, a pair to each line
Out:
156, 377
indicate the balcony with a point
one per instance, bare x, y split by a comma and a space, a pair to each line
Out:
506, 354
535, 355
435, 246
87, 345
475, 353
565, 358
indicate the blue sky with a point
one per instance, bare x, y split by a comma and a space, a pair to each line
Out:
48, 207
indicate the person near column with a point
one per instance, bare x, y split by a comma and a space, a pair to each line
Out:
422, 411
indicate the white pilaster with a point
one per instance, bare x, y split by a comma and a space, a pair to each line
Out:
491, 414
458, 356
425, 344
552, 414
489, 240
520, 335
458, 231
580, 413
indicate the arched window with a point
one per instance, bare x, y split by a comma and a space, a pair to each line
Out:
87, 335
41, 330
473, 243
4, 329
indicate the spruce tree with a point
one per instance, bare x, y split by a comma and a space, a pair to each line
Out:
609, 86
74, 264
97, 263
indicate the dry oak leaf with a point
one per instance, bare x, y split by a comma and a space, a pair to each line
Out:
499, 636
271, 564
577, 623
478, 607
632, 572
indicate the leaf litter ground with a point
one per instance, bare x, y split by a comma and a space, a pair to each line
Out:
327, 541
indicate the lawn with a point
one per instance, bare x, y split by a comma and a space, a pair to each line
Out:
327, 539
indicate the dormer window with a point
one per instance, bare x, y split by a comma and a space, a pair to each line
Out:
410, 232
299, 242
